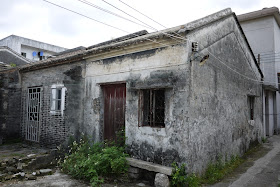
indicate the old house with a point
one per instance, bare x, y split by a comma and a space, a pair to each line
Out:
262, 29
188, 94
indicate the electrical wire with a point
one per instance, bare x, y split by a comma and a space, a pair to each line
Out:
147, 17
117, 15
153, 40
164, 45
109, 12
142, 13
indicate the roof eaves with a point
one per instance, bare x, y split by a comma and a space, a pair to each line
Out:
273, 11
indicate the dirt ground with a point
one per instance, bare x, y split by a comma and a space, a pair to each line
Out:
19, 150
261, 168
57, 179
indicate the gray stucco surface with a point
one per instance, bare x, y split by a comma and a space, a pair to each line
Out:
10, 93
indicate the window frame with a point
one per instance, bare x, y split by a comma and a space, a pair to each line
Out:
57, 104
23, 54
150, 110
251, 106
278, 82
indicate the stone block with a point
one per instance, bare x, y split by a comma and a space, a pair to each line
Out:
134, 175
161, 180
20, 166
11, 169
45, 171
133, 170
30, 177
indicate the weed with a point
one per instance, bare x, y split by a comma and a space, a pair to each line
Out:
193, 180
179, 177
264, 140
217, 171
94, 161
13, 65
12, 155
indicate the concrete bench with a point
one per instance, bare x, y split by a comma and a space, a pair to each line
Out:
149, 166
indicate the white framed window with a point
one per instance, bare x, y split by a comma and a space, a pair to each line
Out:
57, 99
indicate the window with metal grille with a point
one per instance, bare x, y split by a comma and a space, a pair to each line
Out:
251, 101
151, 107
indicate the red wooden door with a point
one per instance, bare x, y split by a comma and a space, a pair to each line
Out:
114, 109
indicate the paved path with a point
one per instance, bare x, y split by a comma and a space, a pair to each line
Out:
265, 171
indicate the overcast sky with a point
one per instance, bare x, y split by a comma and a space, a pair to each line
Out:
39, 20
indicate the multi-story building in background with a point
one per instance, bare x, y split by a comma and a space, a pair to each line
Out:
262, 29
31, 49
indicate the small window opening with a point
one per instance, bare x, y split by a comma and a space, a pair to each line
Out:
152, 106
23, 54
251, 102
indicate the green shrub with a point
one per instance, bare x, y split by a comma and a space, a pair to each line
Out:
94, 161
179, 177
13, 65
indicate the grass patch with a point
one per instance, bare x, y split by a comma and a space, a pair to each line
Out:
217, 171
94, 162
264, 140
12, 155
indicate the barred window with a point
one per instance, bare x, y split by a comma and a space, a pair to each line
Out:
251, 103
151, 107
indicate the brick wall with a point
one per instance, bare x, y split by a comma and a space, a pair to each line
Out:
55, 129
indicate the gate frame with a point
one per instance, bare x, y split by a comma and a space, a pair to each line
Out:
39, 113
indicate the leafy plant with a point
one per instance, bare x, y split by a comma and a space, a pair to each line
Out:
94, 161
178, 176
264, 140
13, 65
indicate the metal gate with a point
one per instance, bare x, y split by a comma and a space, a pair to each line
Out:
114, 109
33, 114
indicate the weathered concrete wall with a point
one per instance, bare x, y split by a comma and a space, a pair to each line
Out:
8, 57
56, 128
9, 104
206, 107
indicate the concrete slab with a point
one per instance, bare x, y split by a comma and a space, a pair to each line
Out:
149, 166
